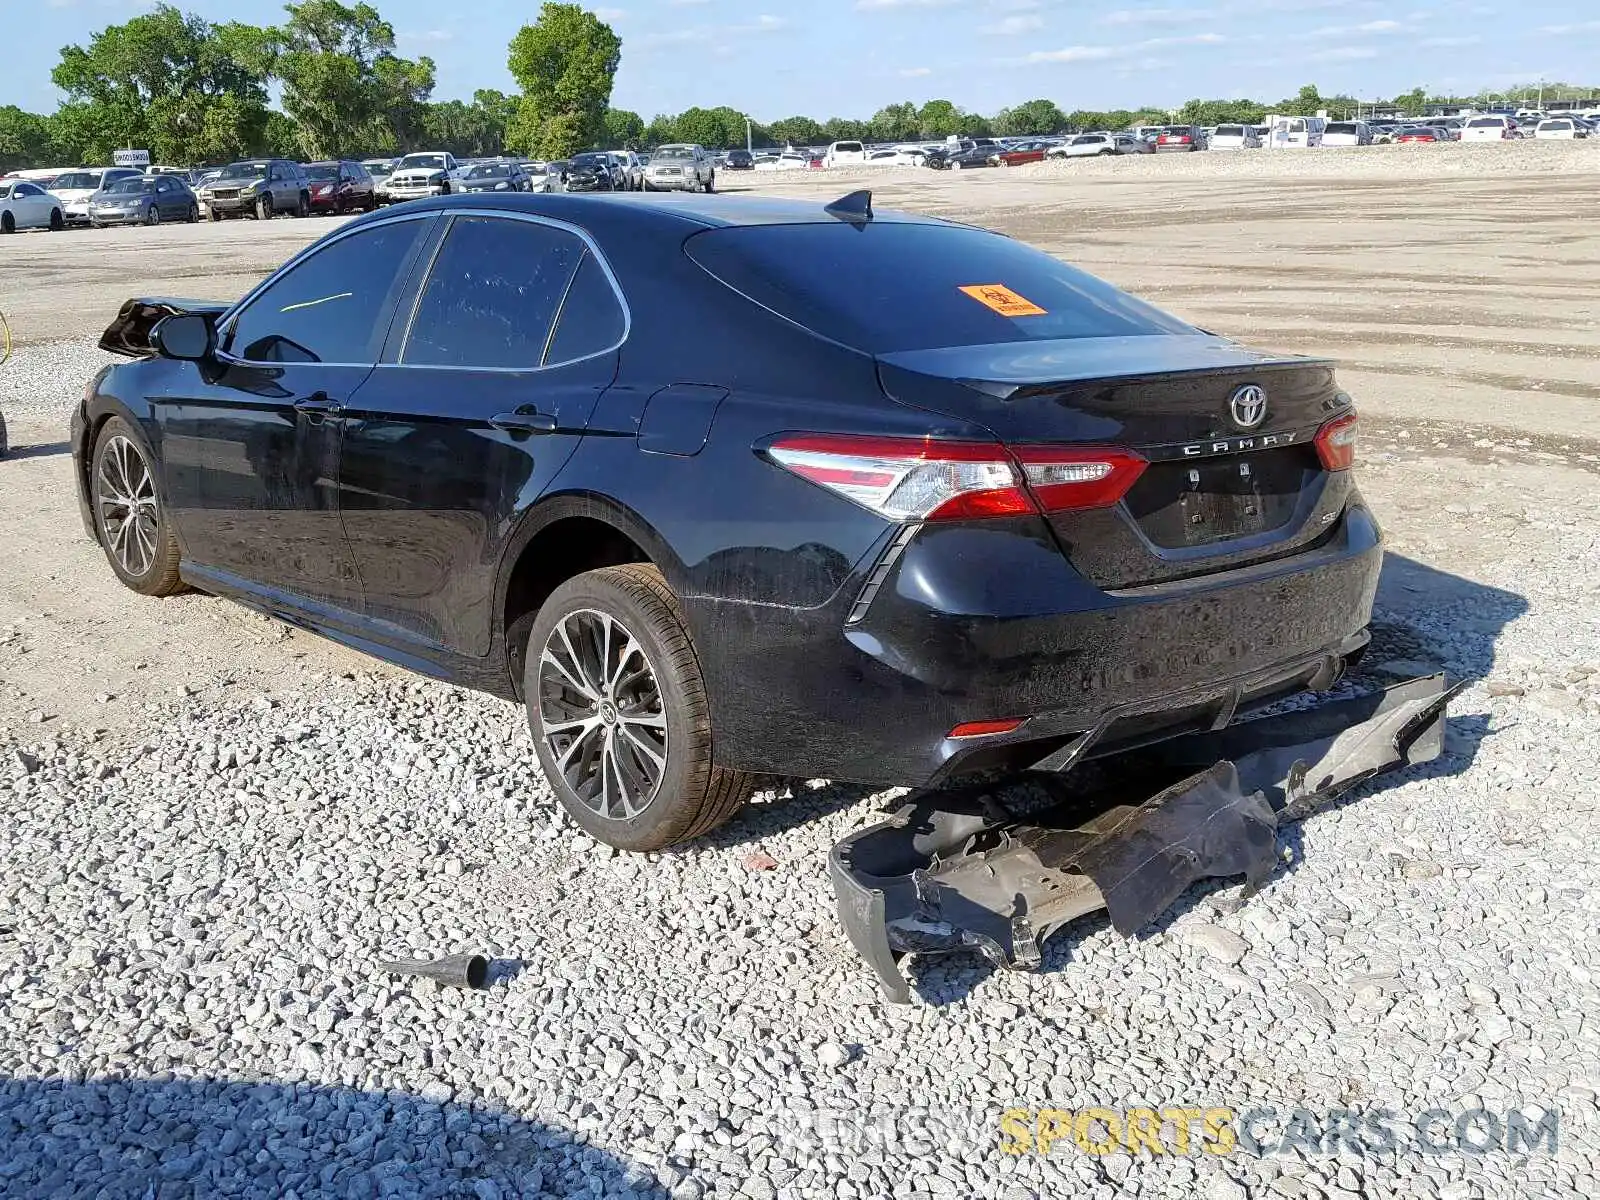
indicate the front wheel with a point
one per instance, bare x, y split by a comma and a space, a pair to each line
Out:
57, 221
129, 520
153, 216
619, 713
955, 166
711, 183
212, 214
264, 208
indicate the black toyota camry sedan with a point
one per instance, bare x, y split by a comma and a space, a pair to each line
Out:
723, 488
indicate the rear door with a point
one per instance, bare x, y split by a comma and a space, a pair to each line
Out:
483, 394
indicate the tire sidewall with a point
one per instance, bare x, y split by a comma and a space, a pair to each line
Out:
149, 582
682, 774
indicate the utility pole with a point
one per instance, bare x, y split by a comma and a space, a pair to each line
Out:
749, 142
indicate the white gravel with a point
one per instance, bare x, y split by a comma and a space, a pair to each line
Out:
189, 933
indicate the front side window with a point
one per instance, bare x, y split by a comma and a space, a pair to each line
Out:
330, 307
492, 295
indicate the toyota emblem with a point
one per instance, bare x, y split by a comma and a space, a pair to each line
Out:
1249, 405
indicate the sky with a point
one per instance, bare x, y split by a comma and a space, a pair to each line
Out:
848, 58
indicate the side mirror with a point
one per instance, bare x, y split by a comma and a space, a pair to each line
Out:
188, 337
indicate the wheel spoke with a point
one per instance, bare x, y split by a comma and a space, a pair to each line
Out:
656, 757
567, 677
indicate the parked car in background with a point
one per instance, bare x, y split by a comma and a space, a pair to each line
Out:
549, 179
1489, 129
1347, 133
962, 156
340, 187
1296, 133
73, 189
1180, 138
203, 177
627, 170
496, 177
1100, 145
1235, 137
896, 156
425, 173
144, 200
740, 160
258, 187
680, 166
788, 160
1021, 153
1561, 127
844, 154
1421, 135
26, 205
590, 172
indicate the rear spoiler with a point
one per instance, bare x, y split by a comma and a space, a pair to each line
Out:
129, 334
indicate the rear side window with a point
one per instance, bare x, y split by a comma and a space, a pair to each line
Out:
885, 287
591, 318
492, 295
328, 307
1340, 127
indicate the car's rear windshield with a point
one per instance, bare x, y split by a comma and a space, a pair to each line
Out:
885, 286
322, 171
1485, 122
1340, 127
1229, 131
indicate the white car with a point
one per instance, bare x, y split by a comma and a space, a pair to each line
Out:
1489, 129
1094, 145
844, 154
25, 205
425, 173
1347, 133
73, 189
899, 157
1235, 137
1561, 127
789, 160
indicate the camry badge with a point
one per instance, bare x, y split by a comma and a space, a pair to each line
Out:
1249, 405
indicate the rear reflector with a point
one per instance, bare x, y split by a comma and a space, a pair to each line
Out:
1336, 443
921, 479
981, 728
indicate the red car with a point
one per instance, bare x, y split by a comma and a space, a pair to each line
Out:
1028, 152
1180, 137
1426, 134
341, 187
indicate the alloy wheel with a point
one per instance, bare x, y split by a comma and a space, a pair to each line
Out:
601, 714
127, 499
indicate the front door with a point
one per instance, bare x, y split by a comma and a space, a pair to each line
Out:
250, 442
477, 405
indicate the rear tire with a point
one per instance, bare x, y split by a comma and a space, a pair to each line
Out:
57, 221
129, 520
303, 208
194, 214
629, 755
711, 183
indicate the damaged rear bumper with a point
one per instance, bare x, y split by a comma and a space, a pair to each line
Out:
957, 870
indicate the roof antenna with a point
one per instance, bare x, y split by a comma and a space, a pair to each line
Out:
857, 206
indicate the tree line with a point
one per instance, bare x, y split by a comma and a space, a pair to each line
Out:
191, 91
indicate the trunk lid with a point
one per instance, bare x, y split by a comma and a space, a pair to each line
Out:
1233, 475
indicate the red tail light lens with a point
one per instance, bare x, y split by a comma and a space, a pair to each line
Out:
922, 479
1336, 443
985, 728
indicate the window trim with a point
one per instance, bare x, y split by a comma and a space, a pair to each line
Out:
226, 321
561, 308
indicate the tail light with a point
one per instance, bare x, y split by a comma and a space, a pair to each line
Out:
1336, 443
920, 479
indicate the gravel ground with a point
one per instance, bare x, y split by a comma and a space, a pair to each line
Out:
202, 868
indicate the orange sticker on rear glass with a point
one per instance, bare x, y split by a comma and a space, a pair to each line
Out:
1003, 300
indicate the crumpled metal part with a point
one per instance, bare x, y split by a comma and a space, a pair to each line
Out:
956, 870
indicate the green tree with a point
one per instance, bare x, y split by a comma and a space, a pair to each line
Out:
564, 63
895, 123
281, 137
1221, 112
624, 130
1411, 102
1034, 116
27, 140
164, 81
842, 129
1305, 104
663, 128
939, 118
796, 131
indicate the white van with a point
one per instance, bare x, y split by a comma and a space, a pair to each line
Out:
73, 189
1235, 137
1295, 132
843, 154
1489, 129
1347, 133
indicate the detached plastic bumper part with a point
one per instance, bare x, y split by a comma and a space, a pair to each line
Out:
957, 871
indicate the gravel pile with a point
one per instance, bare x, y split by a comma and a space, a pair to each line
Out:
189, 935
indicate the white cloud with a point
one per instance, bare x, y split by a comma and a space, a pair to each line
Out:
1011, 26
713, 34
1581, 27
610, 14
1445, 42
424, 35
879, 5
1129, 50
1343, 54
915, 72
1154, 16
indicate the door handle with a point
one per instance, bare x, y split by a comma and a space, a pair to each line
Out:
524, 422
317, 406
